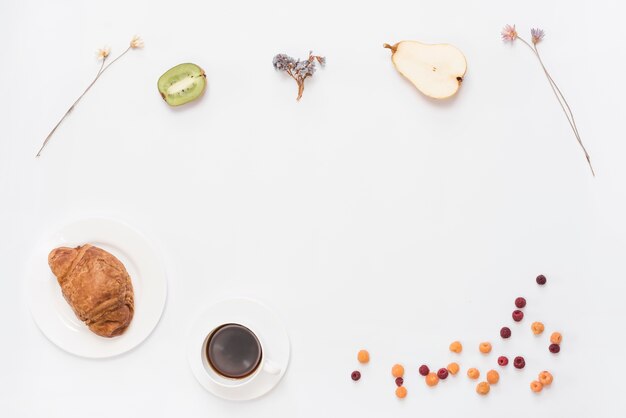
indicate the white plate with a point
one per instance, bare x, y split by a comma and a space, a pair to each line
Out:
54, 316
268, 329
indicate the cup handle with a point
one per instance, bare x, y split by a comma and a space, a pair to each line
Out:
270, 367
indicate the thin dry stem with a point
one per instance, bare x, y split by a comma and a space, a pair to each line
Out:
45, 142
300, 89
562, 102
102, 69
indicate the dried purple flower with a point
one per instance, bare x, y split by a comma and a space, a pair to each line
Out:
304, 68
282, 62
299, 70
537, 35
509, 34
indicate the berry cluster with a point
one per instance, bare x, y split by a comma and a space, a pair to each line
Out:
432, 378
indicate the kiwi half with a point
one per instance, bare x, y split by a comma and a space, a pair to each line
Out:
182, 84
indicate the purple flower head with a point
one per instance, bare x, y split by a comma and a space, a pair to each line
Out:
304, 68
283, 62
537, 35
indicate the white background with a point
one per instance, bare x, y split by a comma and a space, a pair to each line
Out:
365, 215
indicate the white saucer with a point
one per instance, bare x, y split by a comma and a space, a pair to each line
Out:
54, 316
263, 322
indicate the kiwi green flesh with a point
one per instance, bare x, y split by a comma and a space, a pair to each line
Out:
182, 84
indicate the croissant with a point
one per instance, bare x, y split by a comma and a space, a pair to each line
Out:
97, 287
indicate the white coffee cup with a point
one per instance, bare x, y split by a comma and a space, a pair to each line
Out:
263, 366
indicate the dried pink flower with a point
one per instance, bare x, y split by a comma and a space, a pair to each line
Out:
509, 34
537, 35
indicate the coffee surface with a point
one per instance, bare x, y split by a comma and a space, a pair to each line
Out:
234, 351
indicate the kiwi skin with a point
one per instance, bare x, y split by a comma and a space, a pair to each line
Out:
182, 84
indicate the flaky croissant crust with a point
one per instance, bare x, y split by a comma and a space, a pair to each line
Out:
97, 287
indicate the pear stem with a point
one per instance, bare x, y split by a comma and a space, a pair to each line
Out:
393, 48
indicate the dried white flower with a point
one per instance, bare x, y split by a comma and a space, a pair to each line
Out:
102, 53
136, 42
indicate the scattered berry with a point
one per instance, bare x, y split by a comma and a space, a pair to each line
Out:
519, 362
545, 378
356, 375
537, 328
401, 392
456, 347
442, 373
424, 370
432, 379
517, 315
453, 368
503, 361
399, 381
485, 347
397, 370
363, 356
554, 348
493, 377
536, 386
556, 338
541, 280
482, 388
473, 373
505, 332
520, 302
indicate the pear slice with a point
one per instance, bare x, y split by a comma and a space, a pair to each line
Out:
436, 70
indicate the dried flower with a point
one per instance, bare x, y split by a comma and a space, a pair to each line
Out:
299, 70
304, 68
102, 53
537, 35
283, 62
509, 34
136, 42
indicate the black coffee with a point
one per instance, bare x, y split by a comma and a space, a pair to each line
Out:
233, 351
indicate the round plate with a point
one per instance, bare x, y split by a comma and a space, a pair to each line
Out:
267, 327
54, 316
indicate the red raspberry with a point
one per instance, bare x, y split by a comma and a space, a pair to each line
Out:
442, 373
554, 348
399, 381
505, 332
519, 362
517, 315
356, 375
541, 280
424, 370
520, 302
503, 361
